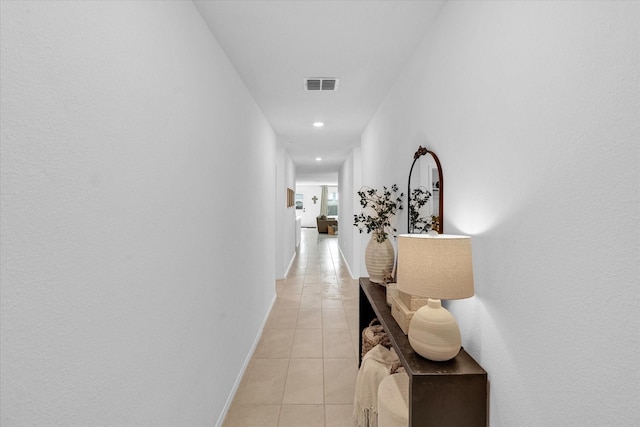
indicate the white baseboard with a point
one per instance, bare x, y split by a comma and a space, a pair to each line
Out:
346, 263
286, 273
227, 404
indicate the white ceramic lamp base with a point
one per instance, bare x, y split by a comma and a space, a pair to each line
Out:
434, 333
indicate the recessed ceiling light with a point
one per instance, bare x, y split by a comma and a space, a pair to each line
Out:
318, 158
318, 124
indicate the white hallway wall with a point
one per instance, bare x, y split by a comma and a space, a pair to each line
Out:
349, 183
286, 217
126, 253
533, 110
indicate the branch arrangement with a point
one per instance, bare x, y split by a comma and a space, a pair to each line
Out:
384, 205
417, 199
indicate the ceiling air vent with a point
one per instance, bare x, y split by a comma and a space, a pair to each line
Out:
321, 83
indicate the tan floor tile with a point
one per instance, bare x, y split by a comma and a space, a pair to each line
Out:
340, 416
263, 382
334, 319
340, 380
301, 416
307, 344
337, 344
304, 383
311, 301
349, 293
356, 338
275, 344
252, 416
350, 302
309, 319
320, 271
287, 301
282, 319
353, 318
320, 279
331, 289
332, 302
291, 289
312, 291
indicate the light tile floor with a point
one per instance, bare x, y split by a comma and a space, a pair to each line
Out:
303, 372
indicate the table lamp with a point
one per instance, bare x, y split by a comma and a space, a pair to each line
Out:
435, 267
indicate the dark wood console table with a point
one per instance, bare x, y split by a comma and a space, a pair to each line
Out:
451, 393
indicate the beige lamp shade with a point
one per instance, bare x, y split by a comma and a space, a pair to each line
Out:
435, 266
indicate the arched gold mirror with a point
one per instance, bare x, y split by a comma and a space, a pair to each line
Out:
425, 193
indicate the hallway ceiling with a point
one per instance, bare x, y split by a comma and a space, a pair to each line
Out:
276, 45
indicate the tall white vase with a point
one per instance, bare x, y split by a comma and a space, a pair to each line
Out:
378, 258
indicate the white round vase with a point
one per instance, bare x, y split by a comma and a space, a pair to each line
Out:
434, 333
378, 258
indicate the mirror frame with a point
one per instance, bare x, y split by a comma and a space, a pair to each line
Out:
421, 152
